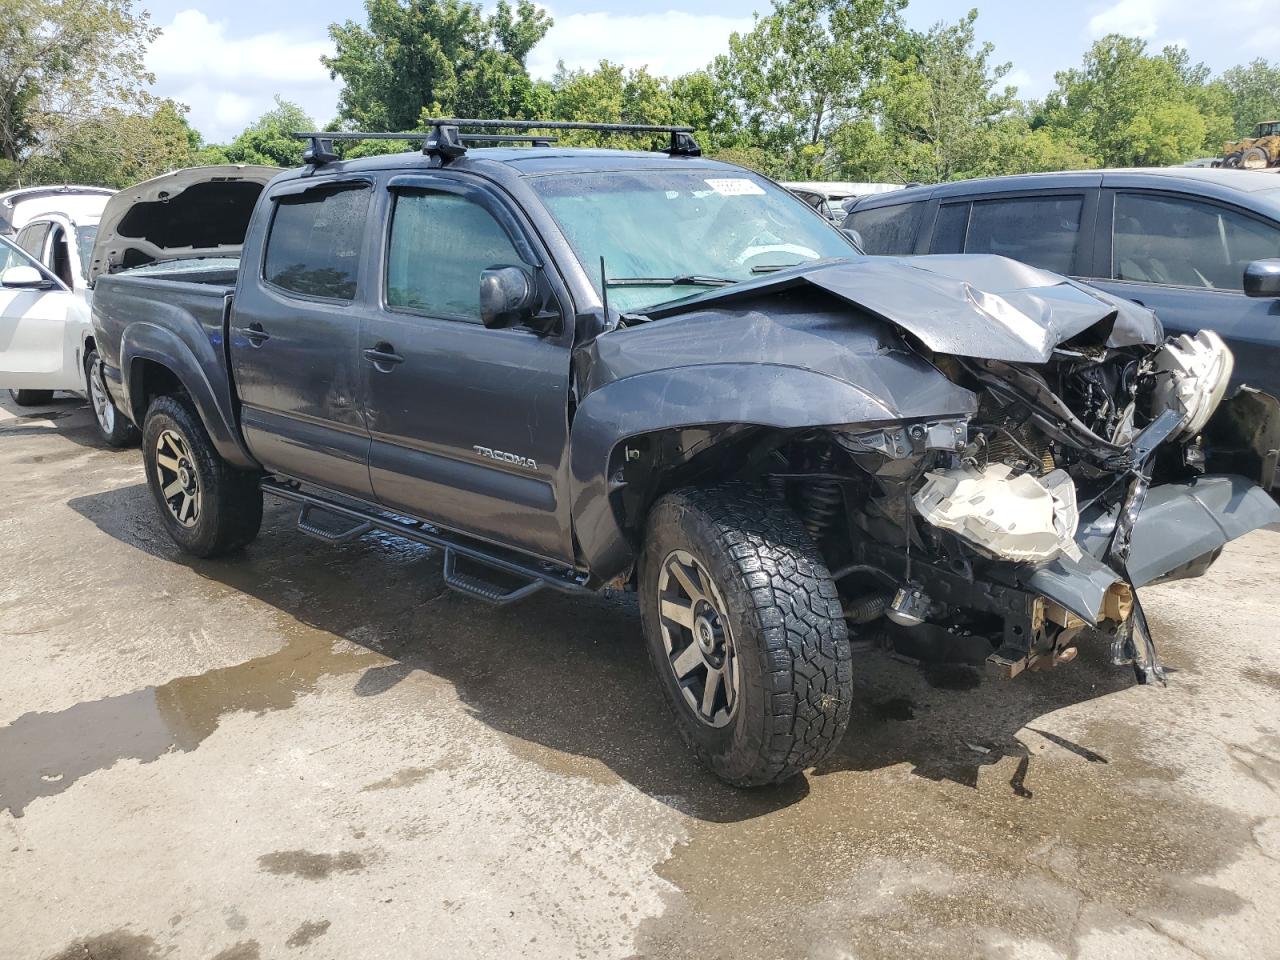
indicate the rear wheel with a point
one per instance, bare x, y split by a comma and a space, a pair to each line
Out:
1255, 158
744, 627
31, 398
113, 426
1232, 160
208, 507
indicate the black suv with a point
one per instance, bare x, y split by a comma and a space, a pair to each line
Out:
1195, 245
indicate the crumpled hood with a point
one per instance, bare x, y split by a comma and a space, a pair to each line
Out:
972, 305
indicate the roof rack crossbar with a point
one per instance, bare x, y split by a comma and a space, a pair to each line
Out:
445, 142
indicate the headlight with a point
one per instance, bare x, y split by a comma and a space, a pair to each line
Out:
1191, 376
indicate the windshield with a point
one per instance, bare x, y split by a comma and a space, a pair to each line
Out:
665, 233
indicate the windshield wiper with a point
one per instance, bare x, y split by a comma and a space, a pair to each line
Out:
774, 267
685, 281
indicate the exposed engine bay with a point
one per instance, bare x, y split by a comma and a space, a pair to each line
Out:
919, 519
1078, 461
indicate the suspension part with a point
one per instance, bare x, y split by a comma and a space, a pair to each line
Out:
820, 499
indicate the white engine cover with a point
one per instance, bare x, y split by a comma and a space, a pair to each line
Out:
1013, 518
1192, 374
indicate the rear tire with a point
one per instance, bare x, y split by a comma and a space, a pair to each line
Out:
31, 398
114, 428
1232, 160
732, 584
208, 507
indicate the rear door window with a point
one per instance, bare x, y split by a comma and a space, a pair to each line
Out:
1183, 242
316, 240
31, 238
1041, 231
888, 230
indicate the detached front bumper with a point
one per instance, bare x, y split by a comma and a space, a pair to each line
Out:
1179, 532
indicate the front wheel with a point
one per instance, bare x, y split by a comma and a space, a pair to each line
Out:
745, 630
113, 426
208, 507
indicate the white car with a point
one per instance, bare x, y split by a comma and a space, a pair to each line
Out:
63, 242
46, 342
19, 207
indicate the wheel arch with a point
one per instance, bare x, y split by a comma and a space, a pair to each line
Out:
155, 362
638, 437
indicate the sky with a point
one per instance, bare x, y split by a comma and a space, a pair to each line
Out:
226, 60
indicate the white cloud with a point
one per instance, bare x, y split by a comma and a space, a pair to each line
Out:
230, 81
1133, 18
668, 43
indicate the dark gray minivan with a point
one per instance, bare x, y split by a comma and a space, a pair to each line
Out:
1201, 247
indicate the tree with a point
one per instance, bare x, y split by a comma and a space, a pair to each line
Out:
269, 140
118, 147
65, 64
1254, 91
802, 71
435, 57
1124, 107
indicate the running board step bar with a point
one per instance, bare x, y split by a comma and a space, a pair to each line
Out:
529, 575
481, 589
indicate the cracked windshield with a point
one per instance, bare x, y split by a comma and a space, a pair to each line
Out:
664, 235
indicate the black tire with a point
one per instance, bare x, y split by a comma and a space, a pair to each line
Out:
31, 398
227, 502
1232, 160
114, 428
784, 624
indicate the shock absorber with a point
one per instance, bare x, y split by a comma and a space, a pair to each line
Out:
820, 499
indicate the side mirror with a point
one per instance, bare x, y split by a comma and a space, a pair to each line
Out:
855, 236
24, 278
1262, 278
508, 297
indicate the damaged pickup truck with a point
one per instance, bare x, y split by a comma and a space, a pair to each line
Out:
571, 369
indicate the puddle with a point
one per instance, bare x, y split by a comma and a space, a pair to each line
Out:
42, 754
311, 866
117, 945
307, 932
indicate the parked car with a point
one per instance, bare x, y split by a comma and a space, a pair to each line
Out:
1195, 245
830, 197
47, 342
63, 243
19, 207
569, 369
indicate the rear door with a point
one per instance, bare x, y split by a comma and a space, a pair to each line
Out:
40, 331
1185, 257
891, 230
469, 425
294, 332
1049, 229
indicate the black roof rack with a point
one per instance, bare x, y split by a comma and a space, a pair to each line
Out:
445, 142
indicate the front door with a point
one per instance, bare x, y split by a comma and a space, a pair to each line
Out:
469, 425
294, 333
1185, 258
40, 332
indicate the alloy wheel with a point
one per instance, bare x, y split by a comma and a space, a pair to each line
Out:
697, 638
103, 409
179, 479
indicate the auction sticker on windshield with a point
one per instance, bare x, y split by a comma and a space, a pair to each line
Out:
736, 187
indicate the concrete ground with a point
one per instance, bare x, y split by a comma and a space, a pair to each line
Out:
318, 751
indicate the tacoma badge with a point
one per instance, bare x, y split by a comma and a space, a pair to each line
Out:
512, 458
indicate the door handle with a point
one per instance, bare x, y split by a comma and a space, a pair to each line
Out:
256, 335
383, 356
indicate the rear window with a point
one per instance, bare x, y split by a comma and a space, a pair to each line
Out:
1041, 231
888, 230
315, 242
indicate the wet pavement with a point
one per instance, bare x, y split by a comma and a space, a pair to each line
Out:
315, 750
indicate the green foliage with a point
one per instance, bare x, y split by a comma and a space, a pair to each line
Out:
119, 147
801, 72
66, 65
1254, 94
1125, 107
269, 140
435, 57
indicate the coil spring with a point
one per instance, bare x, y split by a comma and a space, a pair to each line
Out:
820, 499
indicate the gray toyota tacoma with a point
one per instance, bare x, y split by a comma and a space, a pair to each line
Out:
573, 369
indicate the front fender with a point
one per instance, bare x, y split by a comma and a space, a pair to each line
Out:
148, 342
757, 394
